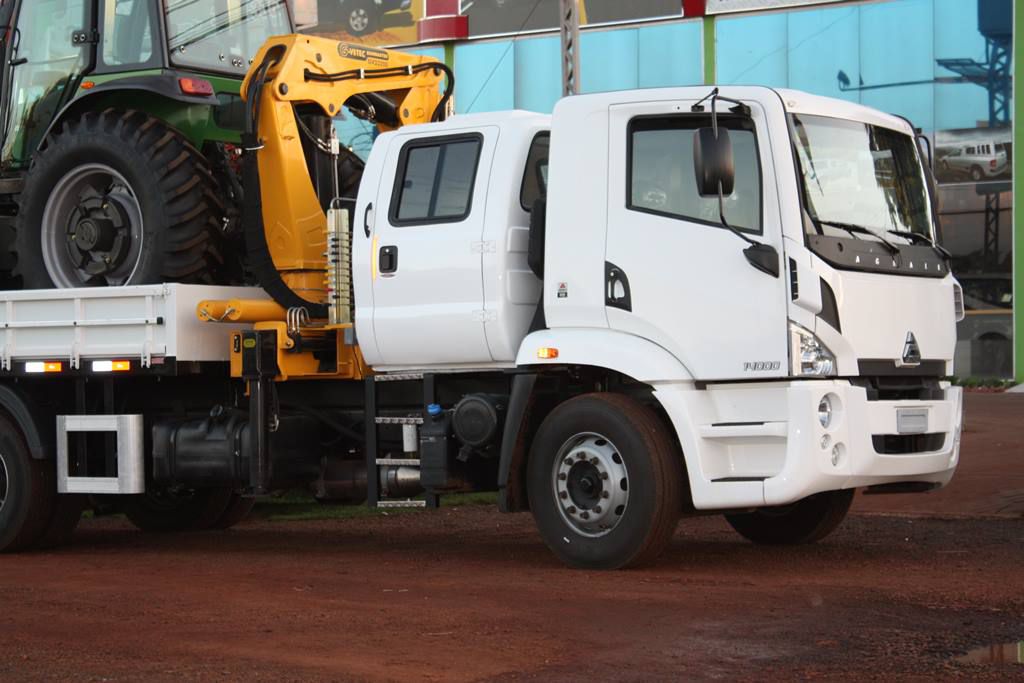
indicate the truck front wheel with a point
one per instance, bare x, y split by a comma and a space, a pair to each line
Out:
117, 198
605, 482
805, 521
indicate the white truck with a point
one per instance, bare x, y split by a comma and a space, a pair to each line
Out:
649, 304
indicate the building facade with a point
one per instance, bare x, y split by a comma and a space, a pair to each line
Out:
946, 65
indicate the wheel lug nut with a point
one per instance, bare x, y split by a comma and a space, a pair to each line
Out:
597, 509
582, 456
563, 495
562, 476
595, 462
572, 509
585, 515
604, 475
605, 494
567, 462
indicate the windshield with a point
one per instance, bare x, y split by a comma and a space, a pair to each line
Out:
856, 174
222, 35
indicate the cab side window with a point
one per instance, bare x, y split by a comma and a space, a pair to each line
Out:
535, 177
127, 32
661, 178
435, 178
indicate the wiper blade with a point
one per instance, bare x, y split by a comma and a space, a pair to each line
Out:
922, 239
853, 228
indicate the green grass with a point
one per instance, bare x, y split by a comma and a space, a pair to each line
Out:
296, 505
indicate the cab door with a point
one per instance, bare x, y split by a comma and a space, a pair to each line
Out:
425, 234
45, 59
674, 274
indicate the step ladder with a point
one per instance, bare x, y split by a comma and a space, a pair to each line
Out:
373, 422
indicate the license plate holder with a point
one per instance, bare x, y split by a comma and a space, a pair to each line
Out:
912, 420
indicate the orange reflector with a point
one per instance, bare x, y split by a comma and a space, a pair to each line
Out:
88, 85
111, 365
195, 86
547, 353
44, 366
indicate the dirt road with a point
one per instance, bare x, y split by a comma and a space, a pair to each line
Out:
468, 594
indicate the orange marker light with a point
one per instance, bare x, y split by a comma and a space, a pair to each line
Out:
44, 366
195, 86
88, 85
111, 365
547, 353
122, 365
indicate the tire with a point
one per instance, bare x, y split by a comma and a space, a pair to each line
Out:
67, 513
977, 174
166, 511
237, 510
27, 491
806, 521
628, 442
360, 17
117, 198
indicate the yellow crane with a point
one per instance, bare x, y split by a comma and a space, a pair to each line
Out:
296, 250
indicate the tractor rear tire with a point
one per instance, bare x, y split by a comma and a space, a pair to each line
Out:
168, 512
806, 521
27, 491
118, 198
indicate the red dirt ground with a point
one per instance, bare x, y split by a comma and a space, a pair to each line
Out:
468, 594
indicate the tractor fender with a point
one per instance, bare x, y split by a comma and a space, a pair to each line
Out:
40, 443
165, 85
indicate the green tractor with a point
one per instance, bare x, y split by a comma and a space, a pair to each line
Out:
119, 121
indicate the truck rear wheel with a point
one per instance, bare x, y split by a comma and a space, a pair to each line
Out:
27, 490
805, 521
237, 510
605, 482
117, 198
165, 511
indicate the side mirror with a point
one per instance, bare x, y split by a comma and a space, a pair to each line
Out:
713, 162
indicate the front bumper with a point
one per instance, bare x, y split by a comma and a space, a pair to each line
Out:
762, 444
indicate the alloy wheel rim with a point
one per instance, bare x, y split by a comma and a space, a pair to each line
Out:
92, 230
591, 484
358, 19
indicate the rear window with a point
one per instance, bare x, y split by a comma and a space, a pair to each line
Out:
535, 177
435, 180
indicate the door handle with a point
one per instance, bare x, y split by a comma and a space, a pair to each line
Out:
366, 219
388, 260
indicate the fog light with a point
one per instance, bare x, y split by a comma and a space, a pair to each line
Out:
826, 441
825, 411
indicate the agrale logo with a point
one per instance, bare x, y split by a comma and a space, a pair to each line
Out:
911, 351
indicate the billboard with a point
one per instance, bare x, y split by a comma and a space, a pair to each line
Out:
389, 22
498, 17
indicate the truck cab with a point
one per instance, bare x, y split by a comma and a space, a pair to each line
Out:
794, 335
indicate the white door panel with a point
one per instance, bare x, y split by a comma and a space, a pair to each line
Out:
429, 309
691, 289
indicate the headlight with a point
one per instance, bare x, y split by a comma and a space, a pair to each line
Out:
809, 357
